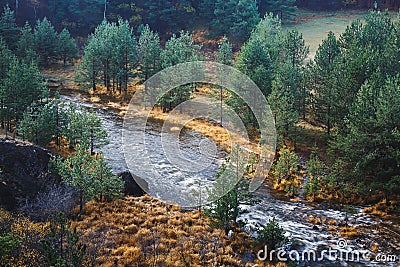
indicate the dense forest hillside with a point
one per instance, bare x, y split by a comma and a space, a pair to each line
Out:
81, 17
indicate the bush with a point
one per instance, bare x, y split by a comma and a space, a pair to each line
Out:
316, 171
271, 235
57, 198
62, 246
285, 171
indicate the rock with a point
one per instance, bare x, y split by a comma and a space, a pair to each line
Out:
24, 172
297, 244
134, 185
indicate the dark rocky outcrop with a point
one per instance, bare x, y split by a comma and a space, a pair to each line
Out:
24, 172
134, 185
26, 182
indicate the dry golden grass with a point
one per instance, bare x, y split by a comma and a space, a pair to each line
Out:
332, 222
382, 209
144, 231
348, 232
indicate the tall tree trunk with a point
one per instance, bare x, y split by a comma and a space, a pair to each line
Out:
105, 9
16, 8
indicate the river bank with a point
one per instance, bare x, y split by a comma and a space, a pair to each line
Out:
311, 226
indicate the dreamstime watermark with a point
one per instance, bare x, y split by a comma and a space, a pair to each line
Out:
341, 252
159, 173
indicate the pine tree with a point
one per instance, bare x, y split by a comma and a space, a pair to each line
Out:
316, 171
25, 45
149, 52
8, 28
77, 171
93, 134
84, 127
108, 184
295, 50
206, 9
282, 104
38, 124
61, 246
235, 17
22, 86
178, 50
368, 50
286, 169
90, 67
223, 16
6, 56
91, 176
230, 191
224, 55
371, 144
246, 17
45, 41
66, 48
110, 56
258, 56
324, 95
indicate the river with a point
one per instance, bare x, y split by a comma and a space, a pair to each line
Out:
293, 216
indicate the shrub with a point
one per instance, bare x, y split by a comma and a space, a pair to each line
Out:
271, 235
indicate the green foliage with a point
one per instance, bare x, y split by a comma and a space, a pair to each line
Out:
8, 28
325, 96
21, 86
107, 184
149, 53
89, 70
291, 72
231, 189
282, 104
258, 56
316, 171
178, 50
168, 14
80, 16
270, 235
286, 169
294, 48
258, 59
110, 56
66, 48
61, 245
90, 175
47, 121
237, 18
371, 144
40, 122
84, 127
6, 57
45, 42
224, 54
246, 17
8, 243
25, 45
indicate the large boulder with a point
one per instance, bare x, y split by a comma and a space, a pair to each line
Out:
24, 172
134, 186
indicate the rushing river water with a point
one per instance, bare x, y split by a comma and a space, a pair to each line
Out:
294, 217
